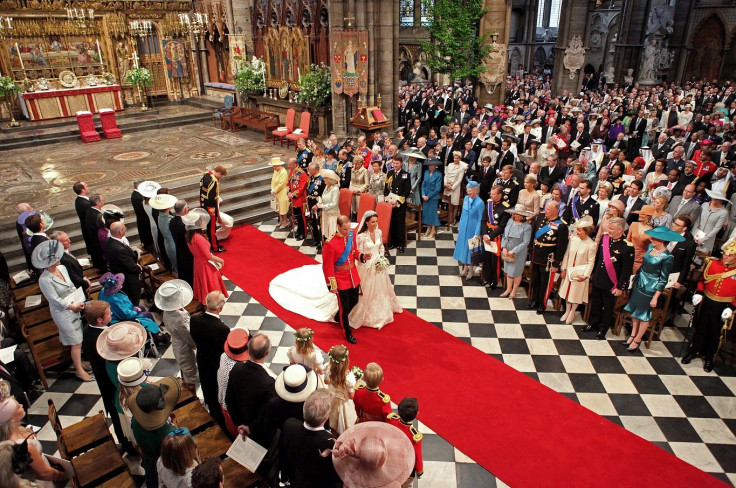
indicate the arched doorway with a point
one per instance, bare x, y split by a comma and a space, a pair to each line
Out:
706, 56
540, 58
149, 48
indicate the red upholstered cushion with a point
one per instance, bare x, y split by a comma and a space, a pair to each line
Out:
378, 115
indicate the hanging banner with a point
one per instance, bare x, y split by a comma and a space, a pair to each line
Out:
349, 51
237, 52
176, 58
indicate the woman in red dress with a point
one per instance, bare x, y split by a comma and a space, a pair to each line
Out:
207, 275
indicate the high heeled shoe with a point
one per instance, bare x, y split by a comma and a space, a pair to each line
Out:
570, 318
634, 349
564, 317
505, 294
627, 341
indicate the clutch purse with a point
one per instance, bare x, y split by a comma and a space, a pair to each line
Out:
509, 258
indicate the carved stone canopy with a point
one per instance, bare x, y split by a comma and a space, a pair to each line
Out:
574, 56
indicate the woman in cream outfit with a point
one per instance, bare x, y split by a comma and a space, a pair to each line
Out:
580, 252
279, 189
328, 203
454, 174
358, 183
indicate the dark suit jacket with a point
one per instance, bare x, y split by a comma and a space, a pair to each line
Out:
93, 243
486, 182
548, 132
99, 367
400, 184
184, 257
555, 174
676, 190
299, 457
141, 219
210, 335
720, 160
683, 253
660, 152
583, 140
76, 273
521, 147
623, 145
122, 259
636, 206
37, 239
81, 205
249, 391
504, 159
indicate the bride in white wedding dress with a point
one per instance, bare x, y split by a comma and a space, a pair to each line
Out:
378, 303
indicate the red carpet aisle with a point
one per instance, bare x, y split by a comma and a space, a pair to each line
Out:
521, 431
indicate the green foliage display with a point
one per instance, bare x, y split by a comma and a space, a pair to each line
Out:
316, 86
455, 48
140, 77
8, 87
251, 76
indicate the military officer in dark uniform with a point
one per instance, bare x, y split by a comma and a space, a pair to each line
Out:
549, 245
303, 154
344, 168
398, 184
613, 265
315, 187
510, 185
492, 226
582, 204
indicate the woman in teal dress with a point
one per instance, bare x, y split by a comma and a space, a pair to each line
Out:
649, 283
431, 189
469, 227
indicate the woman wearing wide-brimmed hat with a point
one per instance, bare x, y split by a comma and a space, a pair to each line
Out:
132, 375
57, 287
207, 275
164, 204
171, 298
577, 267
514, 246
120, 305
279, 190
649, 283
328, 203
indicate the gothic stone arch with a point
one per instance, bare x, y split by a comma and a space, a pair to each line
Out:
706, 55
514, 60
540, 58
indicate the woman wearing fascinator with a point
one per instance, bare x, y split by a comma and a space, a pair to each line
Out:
378, 303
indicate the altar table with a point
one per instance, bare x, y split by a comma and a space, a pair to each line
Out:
55, 104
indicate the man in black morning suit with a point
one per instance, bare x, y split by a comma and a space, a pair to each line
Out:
606, 288
81, 205
184, 257
398, 183
210, 334
549, 243
75, 270
142, 222
94, 214
122, 259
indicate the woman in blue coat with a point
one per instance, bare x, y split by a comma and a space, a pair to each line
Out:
469, 227
431, 188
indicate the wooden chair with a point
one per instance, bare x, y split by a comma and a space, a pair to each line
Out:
281, 134
383, 210
98, 466
365, 202
413, 221
193, 416
212, 442
304, 121
42, 335
236, 475
219, 114
80, 437
123, 480
345, 202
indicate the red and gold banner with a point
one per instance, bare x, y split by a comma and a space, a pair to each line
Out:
349, 51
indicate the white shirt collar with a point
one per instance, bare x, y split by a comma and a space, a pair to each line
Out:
83, 196
213, 314
314, 429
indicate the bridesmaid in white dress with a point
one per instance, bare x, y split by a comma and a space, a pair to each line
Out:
378, 303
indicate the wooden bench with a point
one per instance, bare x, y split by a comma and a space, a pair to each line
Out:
255, 119
193, 416
98, 466
413, 221
46, 349
80, 437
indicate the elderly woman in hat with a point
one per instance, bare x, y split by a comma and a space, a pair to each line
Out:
454, 174
123, 309
207, 266
149, 189
171, 298
468, 229
328, 203
164, 203
431, 190
65, 301
514, 245
11, 414
236, 350
576, 268
649, 283
279, 191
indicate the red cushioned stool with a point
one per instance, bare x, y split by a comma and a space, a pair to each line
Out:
109, 125
87, 127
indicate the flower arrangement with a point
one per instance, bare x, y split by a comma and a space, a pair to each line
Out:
251, 76
316, 86
382, 263
139, 77
8, 90
334, 357
357, 372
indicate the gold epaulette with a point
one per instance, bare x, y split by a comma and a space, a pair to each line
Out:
628, 243
415, 434
333, 283
359, 386
505, 203
563, 221
392, 416
384, 397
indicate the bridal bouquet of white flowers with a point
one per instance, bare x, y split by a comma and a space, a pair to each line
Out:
381, 263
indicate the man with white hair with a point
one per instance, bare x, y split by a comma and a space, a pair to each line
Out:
122, 259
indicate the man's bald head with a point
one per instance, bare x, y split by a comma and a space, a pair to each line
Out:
24, 207
117, 229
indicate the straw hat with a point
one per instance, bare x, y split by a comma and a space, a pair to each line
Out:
276, 161
413, 152
163, 201
121, 340
197, 218
373, 455
152, 404
133, 371
236, 345
112, 283
148, 188
714, 194
618, 205
519, 209
646, 210
296, 383
46, 254
173, 295
328, 174
585, 223
662, 233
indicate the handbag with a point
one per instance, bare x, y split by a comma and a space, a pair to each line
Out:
475, 244
509, 258
274, 204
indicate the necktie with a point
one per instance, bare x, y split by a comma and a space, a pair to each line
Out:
679, 207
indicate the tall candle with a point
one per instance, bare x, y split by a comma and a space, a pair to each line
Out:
17, 49
100, 51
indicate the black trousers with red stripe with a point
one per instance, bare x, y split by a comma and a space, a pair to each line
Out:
299, 219
347, 299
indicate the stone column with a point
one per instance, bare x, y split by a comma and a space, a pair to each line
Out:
497, 19
573, 22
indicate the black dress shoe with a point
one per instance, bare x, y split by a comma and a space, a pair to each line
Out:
299, 237
540, 310
401, 249
484, 283
708, 367
532, 305
589, 328
220, 249
688, 357
600, 336
350, 338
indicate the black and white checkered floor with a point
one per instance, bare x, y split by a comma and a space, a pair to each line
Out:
680, 408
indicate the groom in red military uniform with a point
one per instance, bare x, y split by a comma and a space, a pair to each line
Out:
717, 292
338, 264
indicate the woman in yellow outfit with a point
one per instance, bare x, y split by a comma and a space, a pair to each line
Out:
279, 191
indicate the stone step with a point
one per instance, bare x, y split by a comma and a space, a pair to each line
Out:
246, 197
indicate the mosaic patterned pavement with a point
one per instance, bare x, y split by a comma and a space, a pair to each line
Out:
43, 176
679, 408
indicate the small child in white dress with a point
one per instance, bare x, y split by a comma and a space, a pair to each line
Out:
341, 384
304, 352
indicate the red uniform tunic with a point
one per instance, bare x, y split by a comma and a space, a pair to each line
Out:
704, 169
297, 186
344, 276
414, 436
371, 404
719, 282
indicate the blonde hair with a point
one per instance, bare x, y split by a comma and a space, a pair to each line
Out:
125, 393
339, 366
532, 179
304, 345
663, 199
373, 375
358, 159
